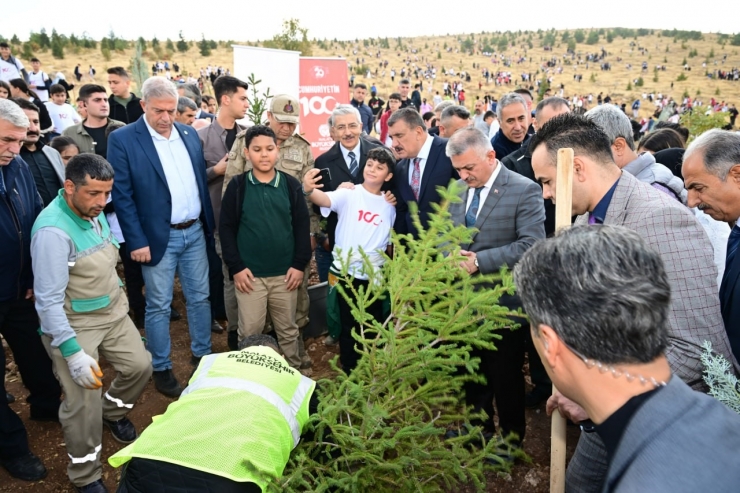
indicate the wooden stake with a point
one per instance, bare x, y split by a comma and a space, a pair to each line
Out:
563, 213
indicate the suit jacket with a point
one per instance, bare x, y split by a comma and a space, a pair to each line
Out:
141, 194
438, 172
729, 297
56, 162
673, 231
677, 441
334, 161
521, 162
204, 115
509, 222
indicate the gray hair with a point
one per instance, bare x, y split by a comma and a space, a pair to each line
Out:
13, 114
720, 150
442, 106
192, 91
509, 99
454, 110
184, 103
602, 289
258, 340
468, 138
410, 116
157, 88
344, 109
613, 122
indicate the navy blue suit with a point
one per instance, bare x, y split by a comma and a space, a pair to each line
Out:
438, 172
729, 298
140, 191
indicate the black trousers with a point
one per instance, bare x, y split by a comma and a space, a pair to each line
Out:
216, 282
19, 326
347, 343
153, 476
134, 283
504, 382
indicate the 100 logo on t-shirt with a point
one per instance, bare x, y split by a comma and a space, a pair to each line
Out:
370, 217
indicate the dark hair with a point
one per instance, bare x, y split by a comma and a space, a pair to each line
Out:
5, 86
410, 116
258, 340
60, 143
57, 89
416, 86
663, 138
577, 132
25, 104
113, 126
553, 102
207, 98
382, 156
89, 89
524, 92
682, 131
454, 110
3, 44
21, 85
396, 96
427, 116
361, 86
34, 59
488, 114
87, 164
119, 71
256, 131
226, 85
602, 289
404, 81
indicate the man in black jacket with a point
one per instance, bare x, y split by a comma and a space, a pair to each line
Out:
124, 105
267, 250
20, 203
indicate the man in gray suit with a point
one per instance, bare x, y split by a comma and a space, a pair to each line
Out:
508, 212
599, 301
603, 194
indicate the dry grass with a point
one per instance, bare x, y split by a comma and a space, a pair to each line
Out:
612, 82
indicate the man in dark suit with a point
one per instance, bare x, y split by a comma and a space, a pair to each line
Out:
507, 211
191, 91
711, 173
598, 298
162, 202
423, 167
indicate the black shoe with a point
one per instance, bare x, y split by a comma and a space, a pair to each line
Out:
232, 339
195, 360
535, 398
94, 487
122, 430
165, 383
9, 397
27, 467
174, 314
216, 327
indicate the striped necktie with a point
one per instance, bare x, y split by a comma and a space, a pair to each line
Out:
353, 166
416, 178
472, 214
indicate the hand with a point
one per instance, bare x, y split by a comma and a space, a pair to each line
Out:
29, 294
347, 184
390, 198
243, 281
310, 180
85, 370
293, 279
567, 408
141, 255
469, 264
220, 167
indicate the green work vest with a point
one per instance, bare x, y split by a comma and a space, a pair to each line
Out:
239, 418
94, 295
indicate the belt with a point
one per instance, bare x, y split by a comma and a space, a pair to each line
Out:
184, 225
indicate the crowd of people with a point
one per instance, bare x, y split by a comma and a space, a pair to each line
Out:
169, 182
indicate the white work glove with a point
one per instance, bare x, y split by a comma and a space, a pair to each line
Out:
85, 370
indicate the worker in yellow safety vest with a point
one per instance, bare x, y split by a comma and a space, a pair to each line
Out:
193, 448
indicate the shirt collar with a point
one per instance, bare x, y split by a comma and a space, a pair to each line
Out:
174, 134
599, 211
346, 151
275, 182
425, 148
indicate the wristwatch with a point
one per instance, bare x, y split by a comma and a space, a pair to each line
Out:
476, 262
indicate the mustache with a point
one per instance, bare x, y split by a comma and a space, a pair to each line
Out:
703, 206
29, 133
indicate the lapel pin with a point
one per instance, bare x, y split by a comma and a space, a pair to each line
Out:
495, 190
186, 132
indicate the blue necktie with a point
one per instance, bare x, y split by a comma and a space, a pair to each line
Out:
472, 214
733, 242
353, 166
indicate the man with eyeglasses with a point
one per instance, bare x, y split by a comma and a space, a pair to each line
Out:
295, 159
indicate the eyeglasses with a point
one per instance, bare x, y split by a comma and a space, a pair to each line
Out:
351, 126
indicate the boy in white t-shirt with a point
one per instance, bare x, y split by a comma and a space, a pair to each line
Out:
38, 80
62, 114
364, 224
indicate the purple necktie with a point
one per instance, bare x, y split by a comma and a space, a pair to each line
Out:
592, 219
416, 178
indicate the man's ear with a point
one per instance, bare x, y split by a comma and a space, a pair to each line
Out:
619, 146
551, 345
734, 174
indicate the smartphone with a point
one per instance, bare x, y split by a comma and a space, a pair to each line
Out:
325, 174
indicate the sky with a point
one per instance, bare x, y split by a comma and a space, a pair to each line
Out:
333, 19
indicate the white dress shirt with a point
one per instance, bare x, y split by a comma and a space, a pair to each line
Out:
178, 170
345, 153
485, 191
424, 156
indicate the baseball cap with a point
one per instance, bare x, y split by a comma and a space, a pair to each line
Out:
285, 108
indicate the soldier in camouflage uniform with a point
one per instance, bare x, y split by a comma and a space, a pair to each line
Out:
295, 159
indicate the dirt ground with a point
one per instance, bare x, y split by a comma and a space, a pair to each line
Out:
47, 442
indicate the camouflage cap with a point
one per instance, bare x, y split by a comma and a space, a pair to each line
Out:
285, 108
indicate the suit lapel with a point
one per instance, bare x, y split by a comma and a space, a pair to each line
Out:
145, 141
498, 188
341, 165
428, 169
192, 151
729, 279
618, 206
